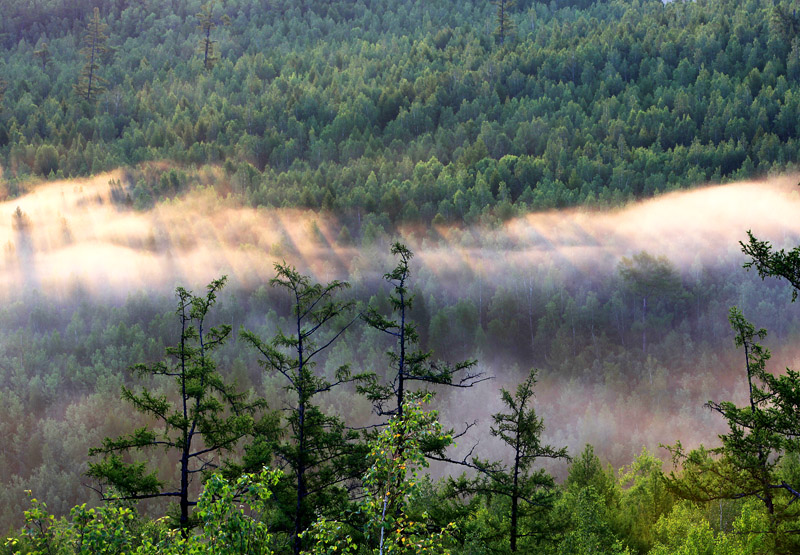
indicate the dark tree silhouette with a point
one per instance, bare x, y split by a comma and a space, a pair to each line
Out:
208, 419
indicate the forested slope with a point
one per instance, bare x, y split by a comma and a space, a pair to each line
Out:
408, 110
243, 133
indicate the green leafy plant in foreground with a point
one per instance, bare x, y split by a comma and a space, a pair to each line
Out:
391, 526
232, 519
231, 516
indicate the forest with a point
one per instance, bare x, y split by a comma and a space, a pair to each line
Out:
384, 276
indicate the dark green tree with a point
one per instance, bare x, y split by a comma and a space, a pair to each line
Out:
771, 263
200, 421
529, 491
319, 451
3, 87
408, 363
207, 22
505, 25
95, 42
43, 53
649, 277
747, 464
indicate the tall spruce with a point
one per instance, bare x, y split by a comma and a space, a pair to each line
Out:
319, 452
505, 25
528, 490
199, 420
762, 432
207, 22
95, 41
408, 363
43, 53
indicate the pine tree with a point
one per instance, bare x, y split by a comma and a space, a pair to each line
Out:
43, 53
207, 23
208, 419
505, 25
319, 451
771, 263
521, 430
90, 84
408, 363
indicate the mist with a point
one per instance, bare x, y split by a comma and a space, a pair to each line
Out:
72, 232
68, 236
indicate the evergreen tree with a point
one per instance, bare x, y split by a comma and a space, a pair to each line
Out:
90, 84
771, 263
319, 451
393, 488
208, 419
408, 363
528, 491
207, 23
3, 87
747, 464
649, 277
43, 53
505, 25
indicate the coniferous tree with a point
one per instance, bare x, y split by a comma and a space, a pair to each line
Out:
649, 277
207, 23
505, 25
208, 419
319, 451
3, 87
408, 362
95, 41
527, 490
747, 464
43, 53
771, 263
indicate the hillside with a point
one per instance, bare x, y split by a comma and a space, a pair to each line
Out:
241, 241
407, 111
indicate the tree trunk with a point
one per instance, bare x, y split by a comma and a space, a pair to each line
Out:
302, 488
515, 502
644, 325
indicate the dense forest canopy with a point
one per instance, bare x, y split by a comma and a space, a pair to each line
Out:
239, 134
408, 110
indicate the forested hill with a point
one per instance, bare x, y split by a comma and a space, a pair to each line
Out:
407, 109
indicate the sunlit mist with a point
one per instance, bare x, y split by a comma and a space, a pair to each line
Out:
70, 232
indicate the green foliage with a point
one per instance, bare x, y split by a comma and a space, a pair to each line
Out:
90, 84
408, 364
46, 160
520, 497
769, 262
644, 499
589, 528
531, 493
230, 519
207, 22
199, 421
684, 531
745, 464
106, 530
319, 449
592, 102
586, 470
748, 463
391, 486
649, 278
505, 25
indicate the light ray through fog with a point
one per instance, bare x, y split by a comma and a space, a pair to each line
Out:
70, 235
72, 232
